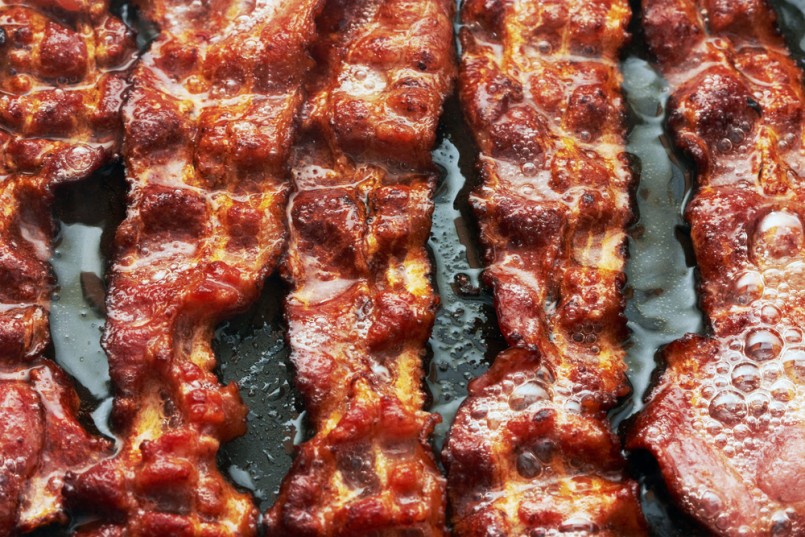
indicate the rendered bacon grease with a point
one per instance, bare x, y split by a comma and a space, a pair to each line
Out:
62, 78
361, 305
725, 421
531, 451
208, 126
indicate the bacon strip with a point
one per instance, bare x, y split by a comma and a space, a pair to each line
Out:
361, 306
531, 451
208, 125
726, 420
61, 83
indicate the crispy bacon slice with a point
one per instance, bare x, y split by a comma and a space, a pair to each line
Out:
208, 126
362, 306
726, 421
62, 76
531, 451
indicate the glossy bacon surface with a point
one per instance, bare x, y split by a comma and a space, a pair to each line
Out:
531, 451
208, 127
361, 305
726, 421
62, 78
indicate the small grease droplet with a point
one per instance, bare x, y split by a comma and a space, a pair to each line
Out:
710, 502
780, 523
763, 345
478, 411
578, 524
757, 403
528, 465
778, 238
746, 377
737, 135
770, 314
724, 145
527, 394
783, 390
772, 371
740, 431
713, 427
777, 410
728, 407
794, 365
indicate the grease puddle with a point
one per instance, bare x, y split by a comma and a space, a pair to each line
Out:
73, 319
86, 214
662, 307
251, 351
465, 336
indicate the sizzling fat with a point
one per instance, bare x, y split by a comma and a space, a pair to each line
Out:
530, 451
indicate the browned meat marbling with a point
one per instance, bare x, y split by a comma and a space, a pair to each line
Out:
62, 78
362, 306
531, 452
208, 128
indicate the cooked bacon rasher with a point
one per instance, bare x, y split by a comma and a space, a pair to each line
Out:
208, 128
62, 78
362, 306
531, 451
726, 421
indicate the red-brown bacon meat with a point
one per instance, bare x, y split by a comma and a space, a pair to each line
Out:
726, 421
531, 451
362, 306
208, 126
62, 76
